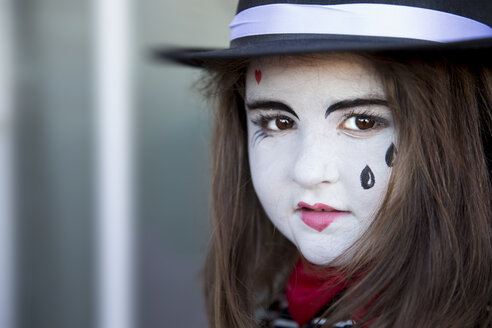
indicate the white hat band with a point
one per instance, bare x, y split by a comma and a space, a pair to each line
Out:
361, 19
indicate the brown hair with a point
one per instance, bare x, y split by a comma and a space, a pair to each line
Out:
426, 260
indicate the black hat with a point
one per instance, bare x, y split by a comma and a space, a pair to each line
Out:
269, 27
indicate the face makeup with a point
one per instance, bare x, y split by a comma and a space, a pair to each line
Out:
319, 134
319, 216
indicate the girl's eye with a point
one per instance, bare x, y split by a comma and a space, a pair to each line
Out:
359, 123
279, 123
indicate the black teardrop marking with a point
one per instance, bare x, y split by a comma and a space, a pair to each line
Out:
390, 154
367, 179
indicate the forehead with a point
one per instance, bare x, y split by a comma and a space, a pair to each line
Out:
334, 76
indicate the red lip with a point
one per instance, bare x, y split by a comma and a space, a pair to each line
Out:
317, 206
318, 216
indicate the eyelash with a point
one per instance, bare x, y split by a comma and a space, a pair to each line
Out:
264, 119
379, 120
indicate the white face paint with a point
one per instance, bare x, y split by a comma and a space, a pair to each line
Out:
303, 162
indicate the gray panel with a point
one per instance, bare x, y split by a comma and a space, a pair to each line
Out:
54, 154
174, 130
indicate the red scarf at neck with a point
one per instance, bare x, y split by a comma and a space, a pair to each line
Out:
307, 293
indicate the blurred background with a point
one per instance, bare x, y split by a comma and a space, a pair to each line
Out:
104, 203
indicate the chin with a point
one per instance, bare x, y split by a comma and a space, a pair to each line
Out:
331, 256
321, 258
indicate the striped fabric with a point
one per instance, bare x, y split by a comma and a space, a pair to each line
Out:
277, 316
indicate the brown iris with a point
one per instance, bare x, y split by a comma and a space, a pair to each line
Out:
364, 123
284, 123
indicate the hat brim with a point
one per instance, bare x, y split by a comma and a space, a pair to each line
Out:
303, 44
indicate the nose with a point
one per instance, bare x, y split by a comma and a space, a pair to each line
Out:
316, 163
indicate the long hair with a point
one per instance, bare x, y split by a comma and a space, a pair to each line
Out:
426, 260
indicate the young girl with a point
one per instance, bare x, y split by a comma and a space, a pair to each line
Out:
351, 176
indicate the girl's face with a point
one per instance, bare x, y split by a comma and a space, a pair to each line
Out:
321, 145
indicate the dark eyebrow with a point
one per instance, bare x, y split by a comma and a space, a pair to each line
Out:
269, 105
344, 104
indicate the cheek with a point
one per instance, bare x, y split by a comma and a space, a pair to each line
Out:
366, 175
263, 175
268, 170
269, 158
271, 184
